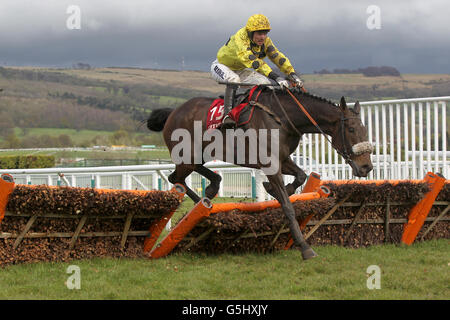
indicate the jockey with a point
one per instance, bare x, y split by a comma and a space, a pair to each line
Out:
241, 60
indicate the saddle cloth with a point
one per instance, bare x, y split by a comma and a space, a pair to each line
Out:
241, 114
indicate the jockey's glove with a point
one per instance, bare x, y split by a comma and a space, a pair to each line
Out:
282, 82
295, 78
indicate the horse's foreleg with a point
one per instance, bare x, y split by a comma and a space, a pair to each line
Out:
179, 176
215, 179
289, 167
281, 195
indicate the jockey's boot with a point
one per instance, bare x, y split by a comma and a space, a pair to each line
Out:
227, 121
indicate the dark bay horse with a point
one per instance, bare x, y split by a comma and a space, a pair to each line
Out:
282, 125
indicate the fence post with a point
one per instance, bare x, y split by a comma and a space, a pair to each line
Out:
155, 181
222, 183
203, 187
124, 181
259, 189
253, 186
189, 181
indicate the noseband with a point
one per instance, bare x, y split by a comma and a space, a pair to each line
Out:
356, 149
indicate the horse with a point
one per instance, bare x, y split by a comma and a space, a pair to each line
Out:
277, 117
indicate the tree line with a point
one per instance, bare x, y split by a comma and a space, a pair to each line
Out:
368, 71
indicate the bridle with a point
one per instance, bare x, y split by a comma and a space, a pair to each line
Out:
346, 153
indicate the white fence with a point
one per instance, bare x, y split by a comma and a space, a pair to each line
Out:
410, 138
236, 181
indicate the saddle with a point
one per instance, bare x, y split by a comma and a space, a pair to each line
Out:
242, 112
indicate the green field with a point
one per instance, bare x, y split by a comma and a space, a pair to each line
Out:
77, 136
92, 154
85, 138
421, 271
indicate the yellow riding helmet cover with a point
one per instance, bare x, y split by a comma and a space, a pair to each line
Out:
257, 22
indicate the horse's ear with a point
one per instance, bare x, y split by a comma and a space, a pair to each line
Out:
357, 108
343, 104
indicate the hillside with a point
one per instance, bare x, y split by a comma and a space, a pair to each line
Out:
116, 99
145, 88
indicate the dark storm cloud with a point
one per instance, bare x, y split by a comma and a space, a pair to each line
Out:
160, 34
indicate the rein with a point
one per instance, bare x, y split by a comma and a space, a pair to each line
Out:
307, 114
345, 154
285, 114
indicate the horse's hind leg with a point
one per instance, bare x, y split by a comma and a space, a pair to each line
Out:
179, 176
289, 167
215, 179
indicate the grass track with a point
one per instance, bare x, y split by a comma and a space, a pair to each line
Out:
421, 271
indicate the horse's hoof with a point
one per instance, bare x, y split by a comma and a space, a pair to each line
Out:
308, 254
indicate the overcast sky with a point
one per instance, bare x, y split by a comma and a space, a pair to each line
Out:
414, 36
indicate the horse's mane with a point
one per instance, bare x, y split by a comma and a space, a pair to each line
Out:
297, 92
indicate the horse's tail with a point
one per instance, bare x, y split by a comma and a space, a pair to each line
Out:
158, 118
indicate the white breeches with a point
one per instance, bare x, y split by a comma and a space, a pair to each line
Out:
221, 72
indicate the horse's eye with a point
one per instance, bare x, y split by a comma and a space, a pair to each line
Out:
351, 129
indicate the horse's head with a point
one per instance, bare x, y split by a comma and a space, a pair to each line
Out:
350, 139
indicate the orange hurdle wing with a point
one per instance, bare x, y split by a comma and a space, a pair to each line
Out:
199, 212
158, 226
6, 187
420, 211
